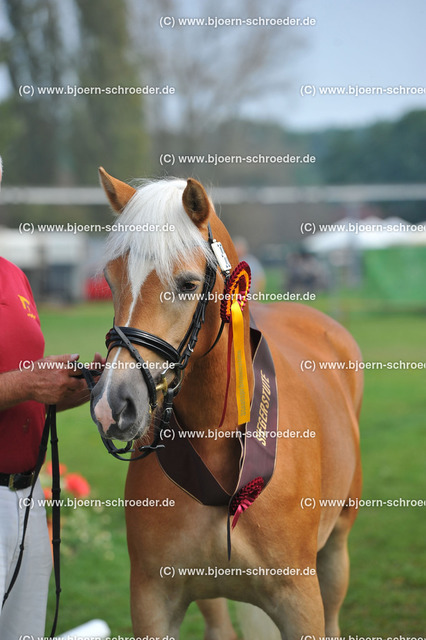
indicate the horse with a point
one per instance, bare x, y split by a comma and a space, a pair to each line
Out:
299, 524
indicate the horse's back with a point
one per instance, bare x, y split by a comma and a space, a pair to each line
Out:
311, 342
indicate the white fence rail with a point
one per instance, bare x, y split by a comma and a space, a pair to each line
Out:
84, 196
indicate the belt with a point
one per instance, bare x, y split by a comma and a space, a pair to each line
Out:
16, 481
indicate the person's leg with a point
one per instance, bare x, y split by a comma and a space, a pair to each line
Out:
24, 612
9, 529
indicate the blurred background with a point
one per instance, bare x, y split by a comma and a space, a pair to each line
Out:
233, 90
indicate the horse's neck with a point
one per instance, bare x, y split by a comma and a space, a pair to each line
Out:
200, 403
199, 407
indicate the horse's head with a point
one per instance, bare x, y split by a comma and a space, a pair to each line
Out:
156, 261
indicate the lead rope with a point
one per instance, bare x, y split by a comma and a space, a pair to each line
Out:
49, 427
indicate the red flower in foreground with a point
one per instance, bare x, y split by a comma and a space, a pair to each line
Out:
77, 485
62, 468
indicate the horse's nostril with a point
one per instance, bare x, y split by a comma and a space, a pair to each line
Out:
127, 416
119, 406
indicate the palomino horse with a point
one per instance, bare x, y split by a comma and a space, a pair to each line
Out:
287, 527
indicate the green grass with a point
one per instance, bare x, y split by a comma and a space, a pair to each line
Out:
388, 555
386, 595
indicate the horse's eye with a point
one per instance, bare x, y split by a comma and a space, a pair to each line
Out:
188, 287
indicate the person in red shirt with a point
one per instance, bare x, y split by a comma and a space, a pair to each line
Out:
28, 382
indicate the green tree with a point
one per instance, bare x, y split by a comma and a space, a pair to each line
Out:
383, 153
107, 129
33, 51
48, 139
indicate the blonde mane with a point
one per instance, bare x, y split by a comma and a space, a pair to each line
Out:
157, 204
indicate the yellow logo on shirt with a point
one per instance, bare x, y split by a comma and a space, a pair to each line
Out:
27, 306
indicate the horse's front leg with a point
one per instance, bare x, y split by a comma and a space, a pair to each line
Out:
218, 621
296, 608
156, 612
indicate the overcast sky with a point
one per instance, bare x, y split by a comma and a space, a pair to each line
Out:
364, 42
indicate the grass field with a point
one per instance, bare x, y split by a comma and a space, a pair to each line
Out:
387, 546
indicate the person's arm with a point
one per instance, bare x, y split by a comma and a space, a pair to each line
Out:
14, 389
51, 381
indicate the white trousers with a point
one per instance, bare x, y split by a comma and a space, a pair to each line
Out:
24, 612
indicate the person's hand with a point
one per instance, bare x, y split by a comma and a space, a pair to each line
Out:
80, 397
98, 364
54, 380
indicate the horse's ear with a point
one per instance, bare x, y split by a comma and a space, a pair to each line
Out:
118, 193
196, 202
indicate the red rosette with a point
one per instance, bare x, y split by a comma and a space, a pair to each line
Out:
237, 288
245, 498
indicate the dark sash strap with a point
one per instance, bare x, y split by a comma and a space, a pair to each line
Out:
259, 449
182, 464
185, 467
49, 427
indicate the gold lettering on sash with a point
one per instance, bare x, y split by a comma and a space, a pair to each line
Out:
262, 420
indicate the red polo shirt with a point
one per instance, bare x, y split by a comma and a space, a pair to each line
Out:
21, 340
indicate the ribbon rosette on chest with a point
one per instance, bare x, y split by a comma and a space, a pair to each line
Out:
231, 310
